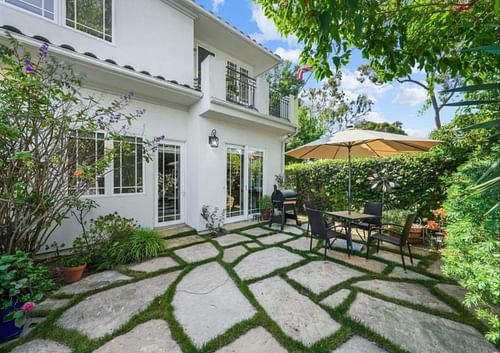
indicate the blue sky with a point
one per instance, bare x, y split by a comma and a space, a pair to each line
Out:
393, 102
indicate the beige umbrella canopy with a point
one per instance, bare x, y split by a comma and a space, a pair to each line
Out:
355, 143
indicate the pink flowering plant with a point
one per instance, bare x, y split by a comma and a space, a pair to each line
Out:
22, 285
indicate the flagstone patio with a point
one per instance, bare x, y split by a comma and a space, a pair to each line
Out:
223, 295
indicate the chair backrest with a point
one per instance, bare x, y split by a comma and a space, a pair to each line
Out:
317, 223
313, 204
374, 208
410, 219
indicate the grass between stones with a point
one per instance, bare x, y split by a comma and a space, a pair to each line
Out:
162, 308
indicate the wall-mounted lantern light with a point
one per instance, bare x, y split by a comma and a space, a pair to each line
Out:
213, 140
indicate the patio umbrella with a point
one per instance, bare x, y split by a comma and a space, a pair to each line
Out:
355, 143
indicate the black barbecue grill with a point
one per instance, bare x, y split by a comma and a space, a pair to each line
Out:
284, 207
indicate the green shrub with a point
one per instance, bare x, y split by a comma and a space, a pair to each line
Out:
472, 253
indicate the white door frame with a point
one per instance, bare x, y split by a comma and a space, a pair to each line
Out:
182, 185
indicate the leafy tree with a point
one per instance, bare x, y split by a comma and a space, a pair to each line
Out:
41, 114
394, 128
395, 36
283, 79
331, 105
310, 128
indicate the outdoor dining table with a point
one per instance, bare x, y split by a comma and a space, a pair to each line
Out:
349, 217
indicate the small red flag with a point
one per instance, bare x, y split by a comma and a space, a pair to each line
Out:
302, 69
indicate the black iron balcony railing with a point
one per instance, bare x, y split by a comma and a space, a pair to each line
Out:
278, 105
240, 88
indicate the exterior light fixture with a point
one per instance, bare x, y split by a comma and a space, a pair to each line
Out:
213, 140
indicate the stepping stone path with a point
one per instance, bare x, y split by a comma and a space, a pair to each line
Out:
370, 265
336, 298
231, 239
207, 303
287, 229
416, 331
153, 265
92, 282
342, 244
435, 268
264, 262
182, 241
105, 312
411, 292
252, 245
393, 257
231, 254
257, 232
318, 276
150, 337
452, 290
274, 239
198, 252
399, 272
41, 346
302, 244
298, 317
257, 340
50, 304
358, 344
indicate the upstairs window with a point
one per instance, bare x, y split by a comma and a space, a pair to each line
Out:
44, 8
93, 17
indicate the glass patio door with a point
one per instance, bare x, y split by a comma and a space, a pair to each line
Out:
169, 184
244, 181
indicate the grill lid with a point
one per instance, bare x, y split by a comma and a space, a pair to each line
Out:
283, 195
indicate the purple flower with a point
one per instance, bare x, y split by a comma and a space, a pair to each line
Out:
44, 50
28, 67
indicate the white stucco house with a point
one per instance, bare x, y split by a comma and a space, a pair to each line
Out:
195, 75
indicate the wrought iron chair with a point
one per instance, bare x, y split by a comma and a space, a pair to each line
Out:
401, 241
321, 230
368, 225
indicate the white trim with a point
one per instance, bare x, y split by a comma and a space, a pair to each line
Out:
113, 170
15, 7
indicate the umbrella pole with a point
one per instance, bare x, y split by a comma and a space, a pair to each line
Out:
349, 194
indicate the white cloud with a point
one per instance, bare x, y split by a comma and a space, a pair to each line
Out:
267, 29
376, 117
417, 133
353, 88
216, 4
289, 54
411, 96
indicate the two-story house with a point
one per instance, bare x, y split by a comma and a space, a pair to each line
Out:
196, 76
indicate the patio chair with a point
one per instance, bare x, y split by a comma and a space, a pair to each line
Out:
321, 230
368, 225
401, 241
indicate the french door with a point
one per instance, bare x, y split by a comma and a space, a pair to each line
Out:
244, 181
170, 184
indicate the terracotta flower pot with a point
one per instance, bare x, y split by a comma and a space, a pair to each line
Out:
265, 215
73, 274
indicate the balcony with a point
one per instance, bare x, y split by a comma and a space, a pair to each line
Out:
279, 106
240, 88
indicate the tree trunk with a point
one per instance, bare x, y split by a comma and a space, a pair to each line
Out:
437, 115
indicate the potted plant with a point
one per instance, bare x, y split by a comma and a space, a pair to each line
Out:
266, 205
73, 267
22, 285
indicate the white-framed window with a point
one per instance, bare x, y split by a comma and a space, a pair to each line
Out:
86, 151
94, 17
44, 8
128, 166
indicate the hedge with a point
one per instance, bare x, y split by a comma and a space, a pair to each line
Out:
422, 185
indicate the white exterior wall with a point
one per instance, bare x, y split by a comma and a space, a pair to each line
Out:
147, 34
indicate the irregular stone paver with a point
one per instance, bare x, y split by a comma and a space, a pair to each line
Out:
287, 229
318, 276
295, 314
456, 292
176, 242
233, 253
336, 298
416, 331
303, 243
198, 252
50, 304
411, 292
104, 312
435, 268
342, 244
263, 262
153, 265
41, 346
207, 303
399, 272
231, 239
370, 265
150, 337
95, 281
358, 344
257, 340
415, 250
276, 238
257, 232
393, 257
252, 245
